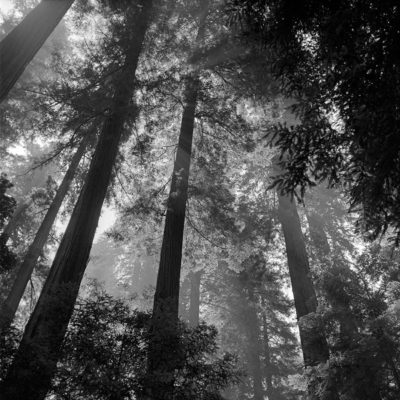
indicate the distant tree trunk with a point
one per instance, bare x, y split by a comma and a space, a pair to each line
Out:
267, 360
194, 307
168, 278
19, 47
14, 221
318, 235
254, 350
30, 374
184, 299
10, 306
163, 348
313, 342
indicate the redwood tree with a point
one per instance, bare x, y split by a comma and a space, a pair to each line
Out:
35, 363
19, 47
163, 357
313, 342
10, 305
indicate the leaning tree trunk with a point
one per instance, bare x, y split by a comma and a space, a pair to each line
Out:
194, 305
10, 306
312, 338
19, 47
30, 374
314, 346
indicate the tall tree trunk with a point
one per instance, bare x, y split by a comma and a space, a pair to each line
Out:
194, 307
19, 47
10, 306
163, 348
30, 374
313, 342
314, 346
167, 287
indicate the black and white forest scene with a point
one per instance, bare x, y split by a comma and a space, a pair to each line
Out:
199, 200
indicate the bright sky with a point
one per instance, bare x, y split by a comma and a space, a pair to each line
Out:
108, 214
5, 5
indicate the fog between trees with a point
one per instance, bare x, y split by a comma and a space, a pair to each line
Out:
247, 152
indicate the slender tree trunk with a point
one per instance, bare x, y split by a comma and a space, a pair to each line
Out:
19, 47
30, 374
254, 350
194, 308
163, 357
164, 346
10, 306
267, 360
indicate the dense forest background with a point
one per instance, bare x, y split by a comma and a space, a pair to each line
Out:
199, 200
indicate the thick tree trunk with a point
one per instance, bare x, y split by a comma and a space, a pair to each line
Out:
163, 357
194, 307
30, 374
314, 346
168, 278
10, 306
313, 342
19, 47
164, 344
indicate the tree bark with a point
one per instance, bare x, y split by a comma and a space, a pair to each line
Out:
163, 349
10, 306
163, 357
194, 307
168, 278
314, 346
30, 374
19, 47
312, 338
